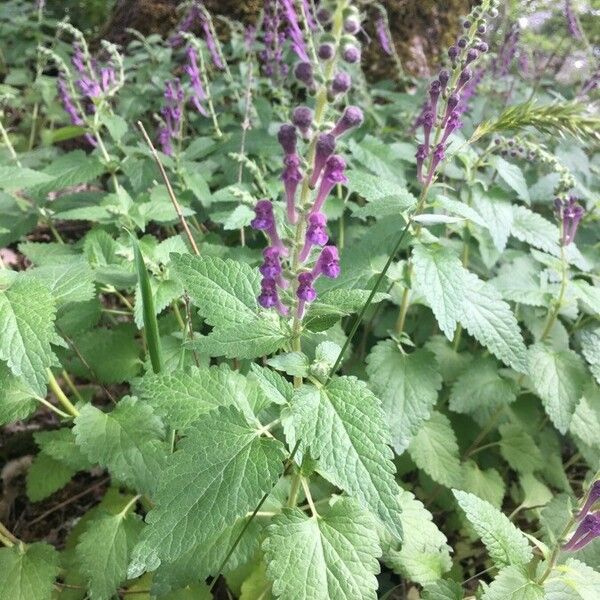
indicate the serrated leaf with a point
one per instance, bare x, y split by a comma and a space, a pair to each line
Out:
511, 175
435, 450
445, 589
438, 277
128, 441
481, 387
536, 231
519, 449
505, 544
497, 213
45, 476
558, 378
513, 583
586, 418
588, 294
61, 445
103, 552
16, 178
424, 555
273, 385
408, 386
27, 313
487, 484
590, 347
520, 281
68, 282
572, 581
182, 397
28, 572
332, 556
194, 504
16, 400
260, 337
71, 169
224, 291
343, 427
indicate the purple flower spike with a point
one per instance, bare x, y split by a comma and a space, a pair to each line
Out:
316, 234
294, 31
328, 263
352, 117
466, 75
265, 221
382, 36
421, 154
341, 83
572, 23
332, 174
592, 497
588, 530
287, 138
452, 124
324, 149
89, 87
193, 72
452, 103
78, 59
302, 118
291, 177
107, 75
438, 157
164, 139
570, 213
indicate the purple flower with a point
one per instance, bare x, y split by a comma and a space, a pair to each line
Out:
269, 297
351, 54
453, 53
89, 87
264, 220
171, 113
291, 177
592, 497
272, 56
427, 120
452, 124
352, 117
294, 31
570, 213
186, 24
193, 72
438, 157
287, 138
164, 139
451, 104
302, 118
305, 292
443, 78
332, 175
78, 59
421, 154
316, 234
67, 102
572, 22
209, 38
271, 267
324, 148
107, 77
341, 83
588, 530
326, 51
434, 93
324, 16
472, 54
303, 72
352, 25
382, 35
328, 263
308, 14
465, 75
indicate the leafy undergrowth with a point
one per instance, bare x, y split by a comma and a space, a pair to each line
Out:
270, 331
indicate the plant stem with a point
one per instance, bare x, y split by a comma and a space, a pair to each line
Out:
294, 489
6, 537
125, 510
60, 395
71, 385
399, 326
553, 314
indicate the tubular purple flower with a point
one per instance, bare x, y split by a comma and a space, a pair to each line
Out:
352, 117
164, 139
211, 44
592, 497
421, 154
67, 102
572, 23
465, 76
328, 263
89, 87
351, 54
308, 13
107, 77
271, 267
428, 119
269, 297
570, 213
434, 93
453, 53
451, 104
193, 72
265, 221
291, 177
333, 174
325, 146
452, 124
588, 530
382, 35
444, 78
287, 138
294, 31
305, 292
341, 83
438, 157
186, 24
472, 54
462, 43
316, 234
302, 118
78, 60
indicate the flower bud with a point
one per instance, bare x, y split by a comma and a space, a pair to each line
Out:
341, 82
352, 117
352, 25
287, 138
302, 118
326, 51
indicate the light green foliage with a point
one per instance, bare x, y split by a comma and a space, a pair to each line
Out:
16, 400
27, 312
519, 449
194, 503
572, 581
496, 212
505, 544
487, 484
586, 418
45, 476
512, 175
324, 557
28, 572
435, 450
558, 378
343, 427
590, 346
513, 583
407, 385
128, 441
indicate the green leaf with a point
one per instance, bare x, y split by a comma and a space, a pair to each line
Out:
273, 385
61, 445
292, 363
573, 581
505, 544
104, 549
16, 400
343, 427
497, 213
116, 125
511, 175
558, 378
28, 572
128, 441
70, 169
181, 397
324, 557
27, 313
224, 291
586, 419
424, 555
588, 294
408, 385
519, 449
260, 337
590, 347
536, 231
438, 277
194, 501
16, 178
481, 387
445, 589
435, 450
513, 583
45, 476
487, 483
